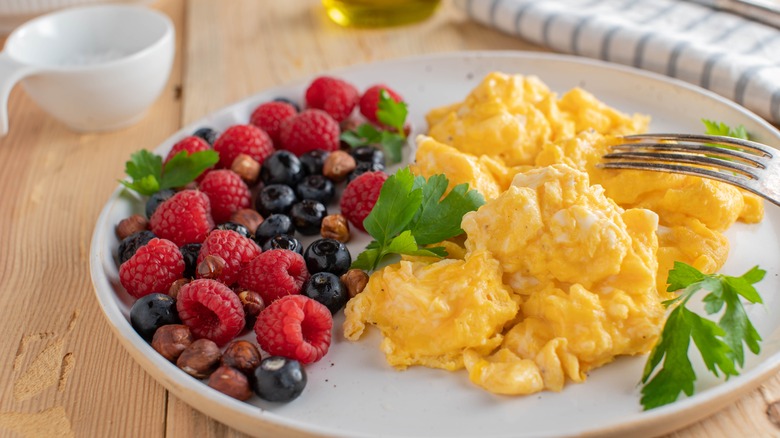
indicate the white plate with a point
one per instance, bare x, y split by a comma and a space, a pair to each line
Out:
353, 392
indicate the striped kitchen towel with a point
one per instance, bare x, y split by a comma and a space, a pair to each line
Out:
733, 56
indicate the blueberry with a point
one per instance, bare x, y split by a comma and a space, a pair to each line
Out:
313, 161
281, 167
190, 253
290, 101
327, 255
152, 312
156, 199
275, 198
363, 167
232, 226
274, 225
207, 134
283, 241
307, 216
130, 244
327, 289
279, 379
316, 187
368, 154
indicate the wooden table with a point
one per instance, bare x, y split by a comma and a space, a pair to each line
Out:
62, 372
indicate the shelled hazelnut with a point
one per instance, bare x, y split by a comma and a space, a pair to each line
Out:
232, 382
246, 167
130, 225
200, 358
241, 355
335, 226
355, 280
338, 165
171, 340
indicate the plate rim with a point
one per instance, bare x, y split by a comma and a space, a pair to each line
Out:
679, 414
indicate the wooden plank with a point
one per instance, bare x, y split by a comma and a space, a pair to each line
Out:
62, 370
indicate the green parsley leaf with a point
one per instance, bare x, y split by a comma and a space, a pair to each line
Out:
719, 128
410, 213
149, 175
391, 113
396, 206
720, 344
434, 221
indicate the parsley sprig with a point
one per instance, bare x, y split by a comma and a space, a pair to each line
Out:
411, 213
720, 344
719, 128
391, 114
149, 174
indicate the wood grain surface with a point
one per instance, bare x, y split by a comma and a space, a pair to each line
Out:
62, 372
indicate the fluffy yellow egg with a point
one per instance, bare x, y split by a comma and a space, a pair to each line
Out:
430, 313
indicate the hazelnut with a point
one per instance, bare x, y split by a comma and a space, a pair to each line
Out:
200, 358
232, 382
173, 291
241, 355
130, 225
355, 280
338, 165
247, 217
253, 305
335, 226
170, 340
211, 267
246, 167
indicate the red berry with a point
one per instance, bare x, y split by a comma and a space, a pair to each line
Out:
183, 218
334, 96
295, 327
235, 249
227, 193
274, 274
211, 310
369, 101
153, 268
270, 116
190, 145
360, 196
311, 129
242, 139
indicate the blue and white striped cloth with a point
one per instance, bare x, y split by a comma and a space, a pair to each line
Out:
733, 56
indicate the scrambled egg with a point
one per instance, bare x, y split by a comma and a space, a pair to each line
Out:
564, 267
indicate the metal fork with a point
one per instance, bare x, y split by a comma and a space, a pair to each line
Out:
743, 163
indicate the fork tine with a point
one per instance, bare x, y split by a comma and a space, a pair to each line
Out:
687, 170
756, 160
701, 160
758, 148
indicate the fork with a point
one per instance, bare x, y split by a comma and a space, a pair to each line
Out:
743, 163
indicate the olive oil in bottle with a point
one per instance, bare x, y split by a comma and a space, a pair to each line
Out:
379, 13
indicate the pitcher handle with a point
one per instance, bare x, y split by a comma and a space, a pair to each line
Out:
11, 72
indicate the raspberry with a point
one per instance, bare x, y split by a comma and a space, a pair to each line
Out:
274, 274
211, 310
227, 193
334, 96
183, 218
270, 116
360, 196
242, 139
311, 129
153, 268
190, 145
369, 101
235, 249
296, 327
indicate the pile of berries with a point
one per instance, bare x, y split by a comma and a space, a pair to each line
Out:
223, 255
